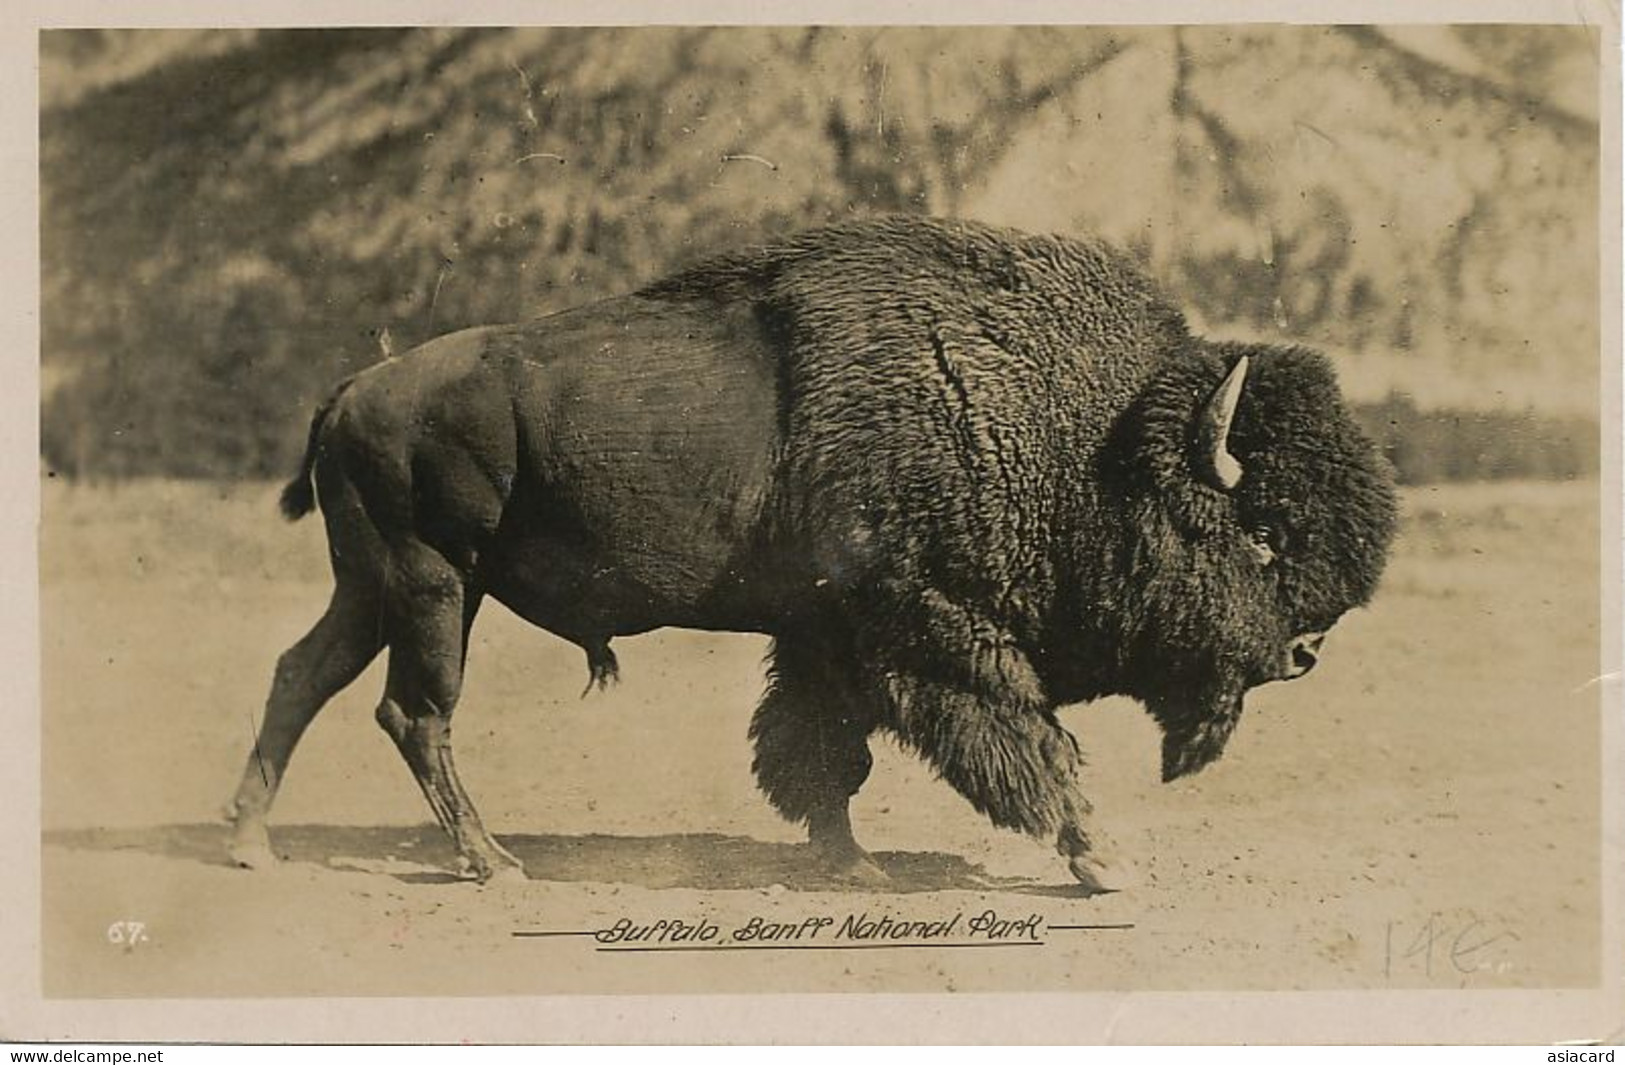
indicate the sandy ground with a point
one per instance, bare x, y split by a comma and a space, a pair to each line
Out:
1420, 812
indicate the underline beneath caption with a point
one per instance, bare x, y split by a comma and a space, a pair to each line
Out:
856, 933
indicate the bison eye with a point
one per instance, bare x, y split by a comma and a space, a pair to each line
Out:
1263, 541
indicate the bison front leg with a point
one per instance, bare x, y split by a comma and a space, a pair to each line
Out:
811, 736
1014, 762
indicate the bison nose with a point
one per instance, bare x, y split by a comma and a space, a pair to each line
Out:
1305, 652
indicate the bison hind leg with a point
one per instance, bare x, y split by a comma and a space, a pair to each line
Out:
427, 617
331, 655
603, 668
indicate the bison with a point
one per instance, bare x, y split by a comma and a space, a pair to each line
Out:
960, 475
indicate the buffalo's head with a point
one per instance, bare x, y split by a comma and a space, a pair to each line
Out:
1257, 514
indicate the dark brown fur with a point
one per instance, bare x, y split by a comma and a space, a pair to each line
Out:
951, 469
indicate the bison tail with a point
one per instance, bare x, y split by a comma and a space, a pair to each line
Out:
299, 494
298, 497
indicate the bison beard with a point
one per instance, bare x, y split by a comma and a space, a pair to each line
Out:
961, 475
1192, 741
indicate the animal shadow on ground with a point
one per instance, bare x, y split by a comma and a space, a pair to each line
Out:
420, 854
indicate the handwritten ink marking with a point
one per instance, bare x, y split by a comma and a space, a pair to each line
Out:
1458, 943
922, 945
665, 930
1459, 950
757, 930
852, 931
989, 925
860, 926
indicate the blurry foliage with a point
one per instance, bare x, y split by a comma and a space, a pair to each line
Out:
231, 219
1451, 444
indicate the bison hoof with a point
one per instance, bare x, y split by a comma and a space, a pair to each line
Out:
1099, 875
502, 869
852, 867
862, 873
252, 854
506, 874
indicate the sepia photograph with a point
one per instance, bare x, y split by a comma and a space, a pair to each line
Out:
589, 512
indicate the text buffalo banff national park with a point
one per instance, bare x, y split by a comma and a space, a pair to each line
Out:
987, 926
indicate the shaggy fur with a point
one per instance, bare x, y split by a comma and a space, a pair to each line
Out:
990, 448
949, 468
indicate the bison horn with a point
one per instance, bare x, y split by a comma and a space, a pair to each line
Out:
1219, 466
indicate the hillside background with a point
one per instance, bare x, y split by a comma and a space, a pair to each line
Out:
232, 219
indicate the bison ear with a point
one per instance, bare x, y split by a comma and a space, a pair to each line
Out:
1217, 466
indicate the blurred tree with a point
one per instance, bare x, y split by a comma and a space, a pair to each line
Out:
231, 218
